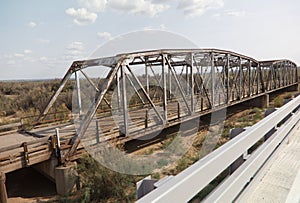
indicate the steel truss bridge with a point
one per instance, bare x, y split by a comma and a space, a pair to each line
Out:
152, 90
142, 93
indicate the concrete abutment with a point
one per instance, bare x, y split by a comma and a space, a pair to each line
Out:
64, 177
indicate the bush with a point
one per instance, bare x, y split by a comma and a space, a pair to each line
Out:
278, 101
102, 185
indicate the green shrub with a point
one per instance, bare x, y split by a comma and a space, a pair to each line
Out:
101, 184
278, 101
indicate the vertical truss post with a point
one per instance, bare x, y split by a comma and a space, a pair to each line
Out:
262, 78
296, 74
26, 153
192, 83
249, 78
213, 81
240, 78
258, 73
118, 90
164, 80
178, 110
147, 77
146, 119
3, 193
97, 132
187, 80
124, 96
58, 150
278, 75
227, 78
78, 93
170, 83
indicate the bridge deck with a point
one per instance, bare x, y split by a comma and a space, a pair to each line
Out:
279, 181
14, 138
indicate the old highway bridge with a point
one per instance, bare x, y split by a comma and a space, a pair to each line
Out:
149, 91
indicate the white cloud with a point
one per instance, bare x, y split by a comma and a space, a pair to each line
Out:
19, 55
138, 6
11, 62
43, 59
32, 24
105, 35
82, 16
199, 7
8, 56
79, 46
27, 51
74, 51
94, 5
236, 13
43, 41
160, 27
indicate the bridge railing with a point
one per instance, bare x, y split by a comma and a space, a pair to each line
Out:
186, 185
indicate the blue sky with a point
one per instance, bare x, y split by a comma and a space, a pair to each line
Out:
40, 39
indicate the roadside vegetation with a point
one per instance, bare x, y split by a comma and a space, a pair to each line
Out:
100, 184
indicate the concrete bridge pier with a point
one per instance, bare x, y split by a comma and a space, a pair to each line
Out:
63, 176
3, 193
262, 101
265, 101
65, 179
293, 88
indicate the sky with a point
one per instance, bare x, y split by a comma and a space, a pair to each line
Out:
41, 39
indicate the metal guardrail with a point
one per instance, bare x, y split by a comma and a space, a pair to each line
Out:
191, 181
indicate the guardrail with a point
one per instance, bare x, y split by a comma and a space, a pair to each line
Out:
187, 184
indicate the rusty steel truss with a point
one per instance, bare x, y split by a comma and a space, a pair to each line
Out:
170, 85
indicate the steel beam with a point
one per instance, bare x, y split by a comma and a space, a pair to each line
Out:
240, 78
164, 81
147, 78
213, 81
118, 90
227, 79
124, 99
192, 83
78, 93
170, 83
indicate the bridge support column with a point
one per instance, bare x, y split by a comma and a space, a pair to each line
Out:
265, 101
261, 102
65, 179
47, 168
3, 193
